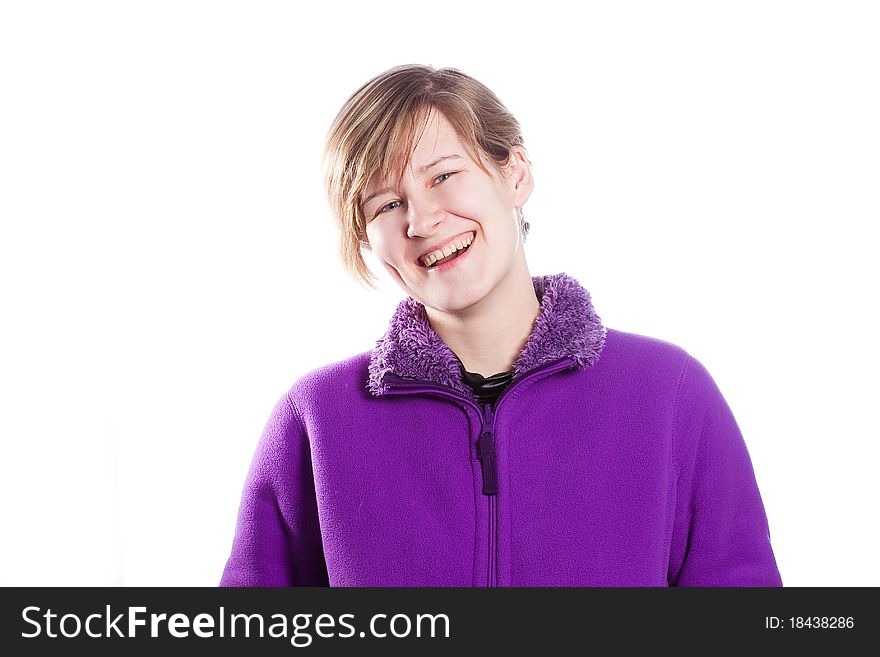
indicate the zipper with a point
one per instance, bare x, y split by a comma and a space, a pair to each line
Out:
486, 452
398, 385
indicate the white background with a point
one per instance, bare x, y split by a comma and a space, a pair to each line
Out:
708, 170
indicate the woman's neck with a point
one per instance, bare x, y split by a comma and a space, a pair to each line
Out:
490, 336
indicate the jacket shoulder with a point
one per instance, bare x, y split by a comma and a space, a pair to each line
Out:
645, 343
643, 353
332, 382
658, 362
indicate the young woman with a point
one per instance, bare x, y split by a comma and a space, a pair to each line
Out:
498, 434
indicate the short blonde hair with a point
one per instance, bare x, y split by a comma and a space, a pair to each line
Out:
378, 127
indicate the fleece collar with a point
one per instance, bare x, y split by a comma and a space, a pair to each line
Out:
566, 326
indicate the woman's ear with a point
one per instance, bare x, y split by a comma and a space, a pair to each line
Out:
519, 170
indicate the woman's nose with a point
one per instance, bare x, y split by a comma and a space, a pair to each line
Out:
423, 217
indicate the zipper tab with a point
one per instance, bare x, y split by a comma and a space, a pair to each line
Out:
486, 453
486, 450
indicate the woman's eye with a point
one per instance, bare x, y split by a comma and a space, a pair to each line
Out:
441, 176
385, 207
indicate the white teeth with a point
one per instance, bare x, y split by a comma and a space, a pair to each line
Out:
447, 250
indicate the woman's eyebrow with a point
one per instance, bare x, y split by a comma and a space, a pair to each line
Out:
438, 161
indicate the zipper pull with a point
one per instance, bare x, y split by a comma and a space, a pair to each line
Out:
486, 453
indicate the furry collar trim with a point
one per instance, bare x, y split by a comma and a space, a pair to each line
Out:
566, 326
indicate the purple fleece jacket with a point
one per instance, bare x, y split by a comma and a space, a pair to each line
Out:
611, 460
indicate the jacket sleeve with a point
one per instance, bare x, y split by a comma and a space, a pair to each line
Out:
720, 535
277, 537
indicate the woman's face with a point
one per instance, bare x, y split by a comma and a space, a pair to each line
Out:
444, 197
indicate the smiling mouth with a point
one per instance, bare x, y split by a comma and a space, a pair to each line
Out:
452, 256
